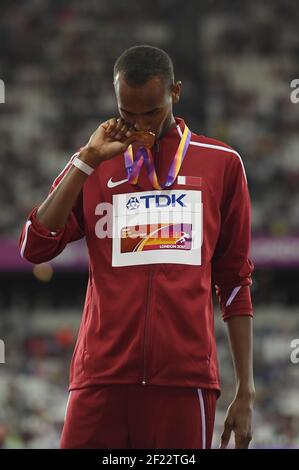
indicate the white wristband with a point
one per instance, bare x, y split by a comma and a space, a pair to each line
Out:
82, 166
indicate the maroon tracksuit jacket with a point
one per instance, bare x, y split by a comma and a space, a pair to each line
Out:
148, 313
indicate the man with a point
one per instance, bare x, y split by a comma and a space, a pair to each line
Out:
144, 373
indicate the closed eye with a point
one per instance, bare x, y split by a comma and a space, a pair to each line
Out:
127, 112
149, 113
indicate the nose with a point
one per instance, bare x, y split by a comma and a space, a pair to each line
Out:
142, 124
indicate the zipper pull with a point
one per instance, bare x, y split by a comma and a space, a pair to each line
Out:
155, 151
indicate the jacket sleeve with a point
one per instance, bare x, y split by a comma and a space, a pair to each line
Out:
39, 244
231, 266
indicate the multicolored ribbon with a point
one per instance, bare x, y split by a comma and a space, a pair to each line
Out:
133, 166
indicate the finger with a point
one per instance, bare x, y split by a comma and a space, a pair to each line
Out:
131, 139
120, 124
116, 131
122, 131
129, 133
131, 130
112, 123
105, 125
242, 441
225, 436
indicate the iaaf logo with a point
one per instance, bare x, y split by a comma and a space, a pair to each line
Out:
156, 200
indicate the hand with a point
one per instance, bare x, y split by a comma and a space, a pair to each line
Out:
111, 138
238, 419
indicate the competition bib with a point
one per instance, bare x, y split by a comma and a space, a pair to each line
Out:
157, 227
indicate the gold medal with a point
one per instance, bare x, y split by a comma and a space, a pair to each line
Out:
144, 139
143, 154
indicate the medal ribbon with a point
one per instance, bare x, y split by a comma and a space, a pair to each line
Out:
143, 154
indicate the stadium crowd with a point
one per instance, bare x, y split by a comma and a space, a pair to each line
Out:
56, 62
34, 380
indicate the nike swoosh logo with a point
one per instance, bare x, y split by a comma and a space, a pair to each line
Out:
112, 184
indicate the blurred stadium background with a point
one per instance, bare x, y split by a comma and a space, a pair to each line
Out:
236, 60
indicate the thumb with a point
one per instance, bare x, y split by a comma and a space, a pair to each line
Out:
225, 436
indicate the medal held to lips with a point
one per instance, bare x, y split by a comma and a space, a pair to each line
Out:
144, 139
143, 154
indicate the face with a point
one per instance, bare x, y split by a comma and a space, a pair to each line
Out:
147, 107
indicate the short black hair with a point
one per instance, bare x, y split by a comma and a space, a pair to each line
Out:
139, 64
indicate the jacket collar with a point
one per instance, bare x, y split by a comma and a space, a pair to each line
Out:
173, 131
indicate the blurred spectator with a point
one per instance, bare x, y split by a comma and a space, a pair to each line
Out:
33, 382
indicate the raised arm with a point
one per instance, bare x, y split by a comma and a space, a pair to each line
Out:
54, 211
59, 219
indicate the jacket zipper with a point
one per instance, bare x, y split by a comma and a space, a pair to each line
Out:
157, 158
146, 323
149, 290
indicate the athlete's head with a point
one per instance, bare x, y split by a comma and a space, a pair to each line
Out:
145, 88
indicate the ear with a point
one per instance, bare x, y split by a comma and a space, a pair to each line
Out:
176, 92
